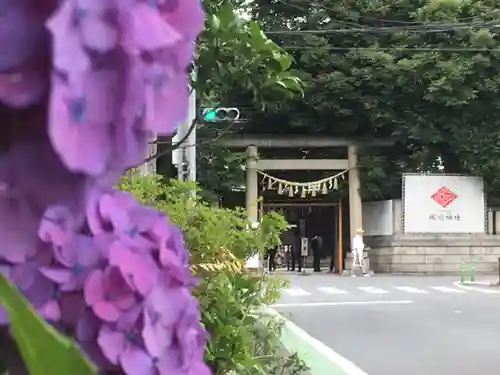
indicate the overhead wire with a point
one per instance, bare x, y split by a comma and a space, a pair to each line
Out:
395, 48
409, 26
359, 16
180, 143
391, 29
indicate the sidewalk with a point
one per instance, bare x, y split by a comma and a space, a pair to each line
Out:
320, 359
484, 280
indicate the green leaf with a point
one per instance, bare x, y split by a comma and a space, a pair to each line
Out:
214, 22
44, 350
290, 83
226, 15
284, 60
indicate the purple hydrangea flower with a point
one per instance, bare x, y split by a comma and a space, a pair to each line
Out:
92, 260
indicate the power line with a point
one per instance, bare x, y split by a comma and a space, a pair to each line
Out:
376, 19
392, 29
395, 48
416, 26
179, 144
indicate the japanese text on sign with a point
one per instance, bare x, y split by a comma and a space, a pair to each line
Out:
444, 216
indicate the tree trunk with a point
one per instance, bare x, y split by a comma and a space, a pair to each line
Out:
451, 162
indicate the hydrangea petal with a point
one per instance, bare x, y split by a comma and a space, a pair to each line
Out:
94, 288
140, 270
111, 343
137, 362
149, 31
98, 34
68, 52
50, 311
106, 311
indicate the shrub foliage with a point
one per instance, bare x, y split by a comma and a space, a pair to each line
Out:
230, 296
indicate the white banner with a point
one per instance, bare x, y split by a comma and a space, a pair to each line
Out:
443, 204
304, 246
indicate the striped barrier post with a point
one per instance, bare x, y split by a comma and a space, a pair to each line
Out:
468, 271
472, 270
462, 273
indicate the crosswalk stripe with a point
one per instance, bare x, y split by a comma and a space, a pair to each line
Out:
445, 289
372, 290
331, 290
296, 292
410, 289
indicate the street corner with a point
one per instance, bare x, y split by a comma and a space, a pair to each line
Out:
319, 358
488, 287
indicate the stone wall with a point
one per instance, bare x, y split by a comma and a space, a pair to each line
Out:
433, 254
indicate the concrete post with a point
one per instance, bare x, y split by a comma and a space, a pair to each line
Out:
150, 167
355, 206
498, 283
252, 193
251, 198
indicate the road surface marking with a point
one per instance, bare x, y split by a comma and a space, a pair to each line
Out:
445, 289
340, 303
476, 289
320, 359
296, 292
411, 289
331, 290
372, 290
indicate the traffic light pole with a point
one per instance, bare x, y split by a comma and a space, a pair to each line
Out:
185, 156
190, 150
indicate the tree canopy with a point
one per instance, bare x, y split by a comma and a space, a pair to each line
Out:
425, 74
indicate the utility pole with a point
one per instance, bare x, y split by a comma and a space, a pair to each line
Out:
184, 157
150, 167
190, 150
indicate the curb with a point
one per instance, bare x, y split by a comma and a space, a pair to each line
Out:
478, 286
482, 283
320, 359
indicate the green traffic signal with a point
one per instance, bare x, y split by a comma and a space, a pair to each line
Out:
220, 114
210, 115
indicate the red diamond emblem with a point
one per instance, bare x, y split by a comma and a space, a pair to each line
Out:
444, 197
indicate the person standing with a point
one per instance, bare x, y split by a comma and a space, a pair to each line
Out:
317, 248
358, 249
297, 252
287, 239
272, 258
332, 259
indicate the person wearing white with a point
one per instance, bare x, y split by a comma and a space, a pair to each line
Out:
358, 248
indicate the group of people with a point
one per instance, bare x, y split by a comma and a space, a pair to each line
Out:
290, 251
292, 255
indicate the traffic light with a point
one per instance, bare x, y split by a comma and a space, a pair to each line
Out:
220, 114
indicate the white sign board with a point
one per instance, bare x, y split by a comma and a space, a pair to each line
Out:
304, 246
443, 204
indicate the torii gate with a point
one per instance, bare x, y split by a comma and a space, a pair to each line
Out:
252, 143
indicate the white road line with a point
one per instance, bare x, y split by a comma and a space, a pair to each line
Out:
343, 303
296, 292
411, 289
372, 290
331, 290
476, 289
328, 356
445, 289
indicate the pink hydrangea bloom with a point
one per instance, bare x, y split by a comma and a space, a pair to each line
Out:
83, 84
108, 293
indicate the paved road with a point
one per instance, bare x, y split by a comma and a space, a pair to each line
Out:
388, 325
